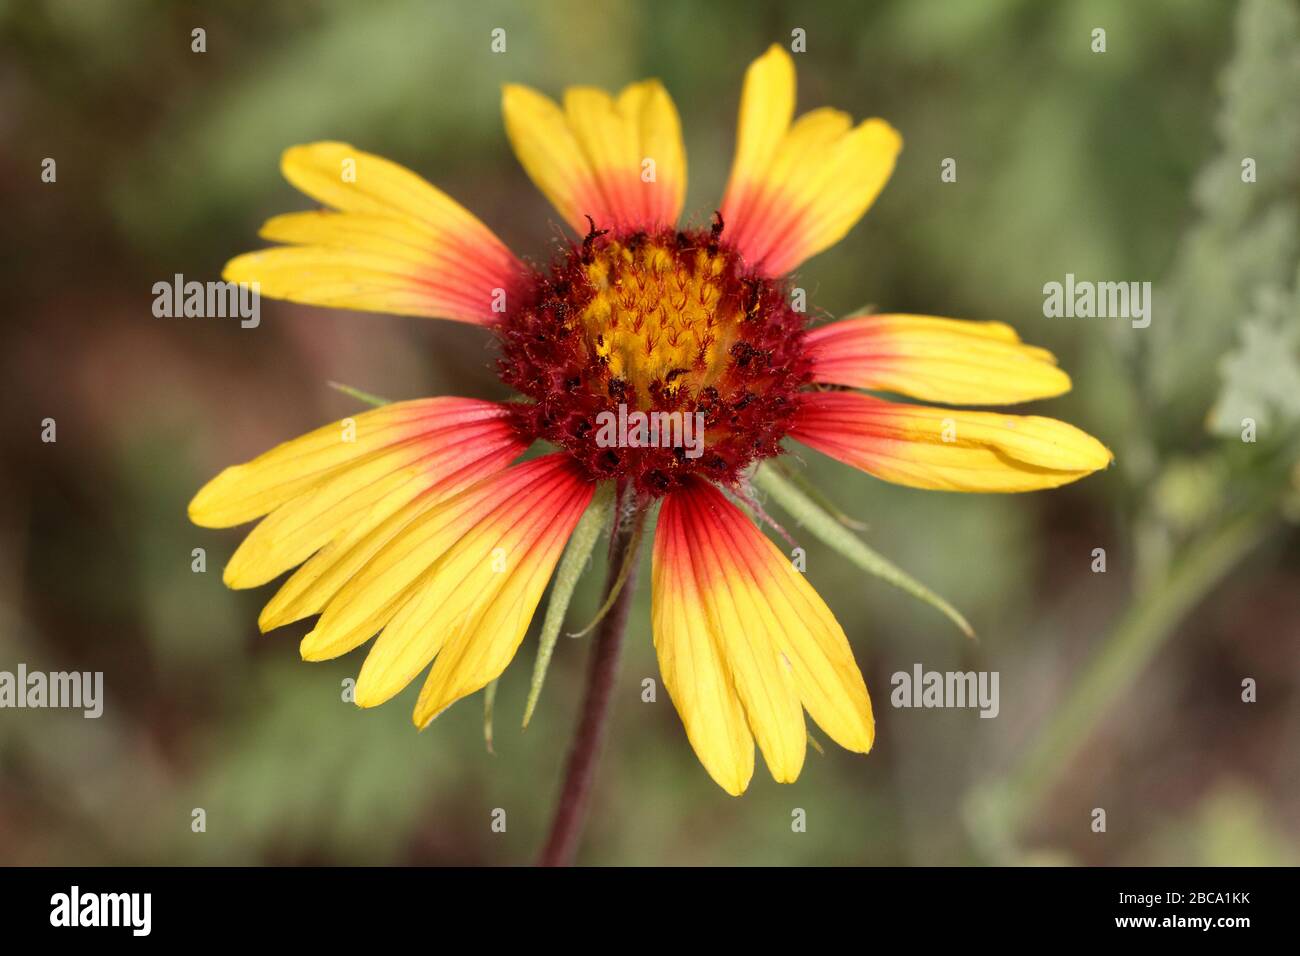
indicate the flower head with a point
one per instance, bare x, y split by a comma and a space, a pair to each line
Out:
666, 322
419, 527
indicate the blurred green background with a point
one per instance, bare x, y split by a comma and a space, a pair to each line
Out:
1119, 690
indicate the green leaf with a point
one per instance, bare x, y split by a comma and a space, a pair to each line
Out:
572, 565
358, 394
830, 532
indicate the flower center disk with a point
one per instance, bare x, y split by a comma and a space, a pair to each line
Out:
666, 330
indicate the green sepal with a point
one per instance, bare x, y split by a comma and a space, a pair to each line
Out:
574, 562
827, 529
359, 395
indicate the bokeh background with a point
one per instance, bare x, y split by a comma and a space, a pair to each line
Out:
1119, 690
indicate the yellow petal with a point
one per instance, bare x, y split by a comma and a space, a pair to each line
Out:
393, 239
479, 576
693, 665
938, 360
309, 589
396, 244
435, 465
766, 108
648, 106
244, 492
947, 449
345, 178
619, 161
720, 582
404, 561
476, 653
797, 189
781, 603
743, 624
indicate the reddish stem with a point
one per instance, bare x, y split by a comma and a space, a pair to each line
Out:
575, 796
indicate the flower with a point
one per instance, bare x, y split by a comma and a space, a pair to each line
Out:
413, 522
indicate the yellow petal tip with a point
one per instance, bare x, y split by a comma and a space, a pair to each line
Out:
777, 51
310, 649
194, 511
304, 151
366, 698
516, 91
238, 269
205, 507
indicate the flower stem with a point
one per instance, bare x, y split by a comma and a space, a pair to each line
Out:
575, 795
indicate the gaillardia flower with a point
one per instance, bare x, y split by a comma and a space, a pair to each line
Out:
413, 522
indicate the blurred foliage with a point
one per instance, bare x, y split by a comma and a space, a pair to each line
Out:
1245, 245
1121, 166
1261, 376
